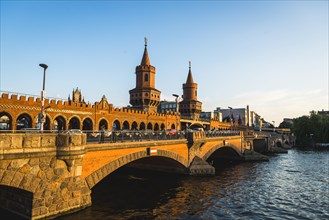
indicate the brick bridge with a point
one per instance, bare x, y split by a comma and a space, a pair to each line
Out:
45, 175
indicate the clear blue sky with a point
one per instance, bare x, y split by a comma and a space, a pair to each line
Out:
271, 55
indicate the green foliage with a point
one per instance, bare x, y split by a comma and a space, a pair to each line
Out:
311, 129
285, 124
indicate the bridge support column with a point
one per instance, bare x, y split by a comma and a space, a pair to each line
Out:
40, 176
200, 167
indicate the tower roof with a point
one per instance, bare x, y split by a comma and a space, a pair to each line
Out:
145, 59
189, 77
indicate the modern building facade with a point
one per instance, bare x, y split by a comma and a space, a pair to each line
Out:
167, 106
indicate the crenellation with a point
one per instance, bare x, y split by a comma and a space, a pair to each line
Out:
5, 96
14, 97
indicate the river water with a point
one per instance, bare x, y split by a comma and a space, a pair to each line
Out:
289, 186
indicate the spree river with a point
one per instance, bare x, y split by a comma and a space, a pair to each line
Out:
289, 186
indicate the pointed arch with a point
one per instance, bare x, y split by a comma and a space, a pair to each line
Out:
156, 127
24, 120
74, 122
87, 124
134, 126
103, 123
59, 123
125, 125
149, 126
6, 121
142, 126
116, 125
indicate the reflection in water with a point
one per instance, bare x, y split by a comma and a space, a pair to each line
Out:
289, 186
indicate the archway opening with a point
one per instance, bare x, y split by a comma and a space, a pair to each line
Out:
125, 125
23, 121
223, 157
163, 127
74, 123
5, 121
149, 126
11, 197
87, 124
134, 126
142, 126
172, 126
116, 125
59, 123
156, 127
103, 124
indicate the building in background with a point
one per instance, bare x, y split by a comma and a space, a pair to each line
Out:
167, 106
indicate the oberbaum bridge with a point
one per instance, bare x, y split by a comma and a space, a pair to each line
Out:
53, 172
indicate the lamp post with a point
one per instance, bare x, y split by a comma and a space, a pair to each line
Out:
273, 126
176, 99
42, 116
231, 119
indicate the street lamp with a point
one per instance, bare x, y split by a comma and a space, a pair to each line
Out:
176, 99
273, 126
231, 119
42, 116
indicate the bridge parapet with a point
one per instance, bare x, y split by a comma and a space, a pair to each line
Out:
38, 178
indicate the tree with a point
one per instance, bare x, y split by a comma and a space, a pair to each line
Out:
310, 129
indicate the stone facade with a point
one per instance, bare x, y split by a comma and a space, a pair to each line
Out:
45, 175
37, 181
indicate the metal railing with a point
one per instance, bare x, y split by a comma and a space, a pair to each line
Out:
222, 133
132, 136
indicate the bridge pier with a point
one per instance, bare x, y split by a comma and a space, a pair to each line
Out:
200, 167
39, 180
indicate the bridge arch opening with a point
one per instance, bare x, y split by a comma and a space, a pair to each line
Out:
16, 201
74, 123
134, 126
116, 125
149, 126
142, 126
103, 123
23, 121
224, 153
165, 161
59, 123
125, 125
6, 121
87, 124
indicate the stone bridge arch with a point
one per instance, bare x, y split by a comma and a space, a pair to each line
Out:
95, 177
212, 150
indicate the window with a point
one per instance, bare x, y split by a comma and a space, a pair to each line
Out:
196, 94
146, 77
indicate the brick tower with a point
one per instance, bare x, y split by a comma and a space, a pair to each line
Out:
144, 96
190, 106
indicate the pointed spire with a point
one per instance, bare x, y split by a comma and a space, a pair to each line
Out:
189, 77
145, 59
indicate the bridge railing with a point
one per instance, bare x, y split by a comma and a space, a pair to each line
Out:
217, 133
133, 136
